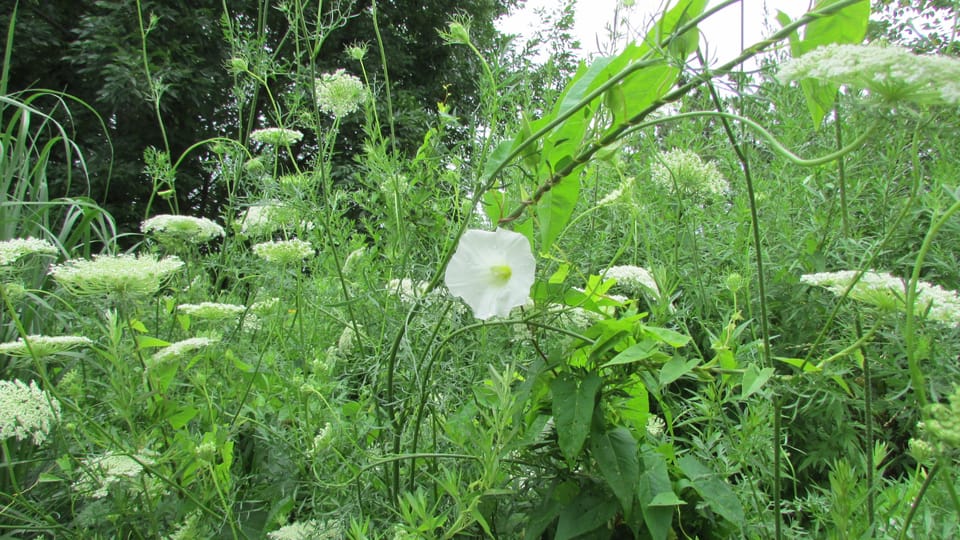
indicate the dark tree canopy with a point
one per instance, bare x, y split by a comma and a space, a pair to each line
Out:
94, 52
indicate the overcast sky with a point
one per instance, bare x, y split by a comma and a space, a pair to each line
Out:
722, 31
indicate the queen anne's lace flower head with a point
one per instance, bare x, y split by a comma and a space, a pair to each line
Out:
893, 73
633, 279
284, 252
26, 411
339, 93
491, 271
119, 275
212, 310
103, 472
306, 530
888, 292
276, 136
181, 348
43, 345
12, 250
182, 228
686, 172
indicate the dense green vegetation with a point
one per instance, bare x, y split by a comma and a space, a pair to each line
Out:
361, 270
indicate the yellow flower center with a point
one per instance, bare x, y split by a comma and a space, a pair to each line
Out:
501, 273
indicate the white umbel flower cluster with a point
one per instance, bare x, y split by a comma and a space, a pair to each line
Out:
683, 171
212, 310
276, 136
284, 252
43, 345
103, 472
120, 275
890, 72
188, 229
13, 249
306, 530
26, 411
888, 292
339, 93
265, 218
633, 279
181, 348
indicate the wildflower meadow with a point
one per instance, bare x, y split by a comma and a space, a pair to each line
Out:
643, 293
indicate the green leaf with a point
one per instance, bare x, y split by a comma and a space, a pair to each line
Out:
616, 454
670, 337
666, 498
849, 25
718, 495
573, 402
674, 369
149, 342
653, 487
588, 512
181, 417
645, 350
753, 380
560, 496
555, 209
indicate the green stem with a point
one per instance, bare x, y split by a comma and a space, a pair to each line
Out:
8, 459
909, 337
615, 133
915, 504
386, 75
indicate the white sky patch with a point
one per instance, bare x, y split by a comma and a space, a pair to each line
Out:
721, 32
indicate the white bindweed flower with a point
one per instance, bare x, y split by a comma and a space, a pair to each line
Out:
491, 271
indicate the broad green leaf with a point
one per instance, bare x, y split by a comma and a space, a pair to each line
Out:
672, 20
616, 454
849, 25
717, 493
573, 401
645, 350
555, 209
560, 496
666, 498
753, 380
150, 342
800, 363
182, 416
670, 337
674, 369
636, 407
653, 486
588, 512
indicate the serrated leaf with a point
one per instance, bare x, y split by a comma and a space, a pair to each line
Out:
573, 403
616, 454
